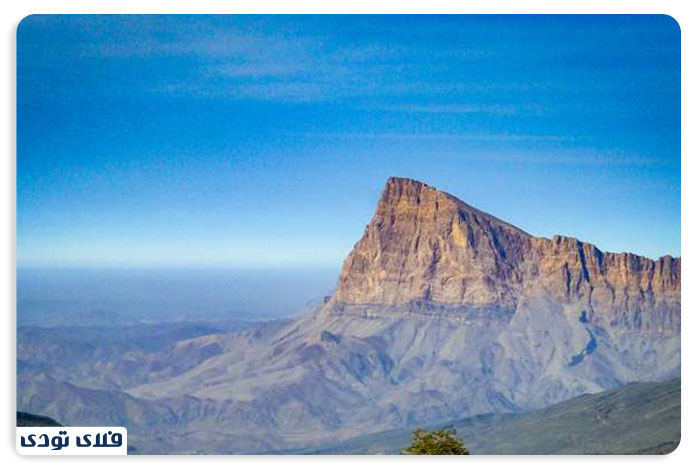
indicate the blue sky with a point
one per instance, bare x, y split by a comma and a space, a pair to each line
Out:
235, 141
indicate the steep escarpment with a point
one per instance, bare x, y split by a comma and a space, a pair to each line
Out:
425, 245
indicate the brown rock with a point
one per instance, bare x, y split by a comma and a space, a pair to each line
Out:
423, 244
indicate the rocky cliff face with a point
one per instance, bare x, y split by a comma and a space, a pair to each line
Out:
426, 245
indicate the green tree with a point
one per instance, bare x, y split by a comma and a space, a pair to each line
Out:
440, 442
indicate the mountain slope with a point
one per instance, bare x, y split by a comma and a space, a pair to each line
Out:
118, 356
638, 418
35, 420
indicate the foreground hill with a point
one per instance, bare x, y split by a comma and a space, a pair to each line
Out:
441, 311
34, 420
639, 418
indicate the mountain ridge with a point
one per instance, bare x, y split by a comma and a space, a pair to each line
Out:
424, 244
637, 418
397, 180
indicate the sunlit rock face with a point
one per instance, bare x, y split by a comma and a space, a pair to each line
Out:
426, 245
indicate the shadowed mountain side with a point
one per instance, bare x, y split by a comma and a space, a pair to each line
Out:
642, 418
339, 377
35, 420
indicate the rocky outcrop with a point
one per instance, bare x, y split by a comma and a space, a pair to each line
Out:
426, 245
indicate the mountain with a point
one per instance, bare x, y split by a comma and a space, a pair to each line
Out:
426, 245
638, 418
116, 356
441, 312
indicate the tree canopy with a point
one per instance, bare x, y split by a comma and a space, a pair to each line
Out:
440, 442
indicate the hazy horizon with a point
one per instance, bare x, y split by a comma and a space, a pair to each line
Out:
265, 141
65, 296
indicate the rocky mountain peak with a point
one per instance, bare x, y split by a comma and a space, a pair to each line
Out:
425, 245
401, 194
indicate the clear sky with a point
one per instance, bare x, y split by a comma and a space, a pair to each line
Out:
235, 141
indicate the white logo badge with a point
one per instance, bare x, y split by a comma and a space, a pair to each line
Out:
72, 441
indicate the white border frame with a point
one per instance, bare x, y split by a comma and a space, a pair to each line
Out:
14, 11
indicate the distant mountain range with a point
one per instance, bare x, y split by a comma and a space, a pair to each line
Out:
441, 312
